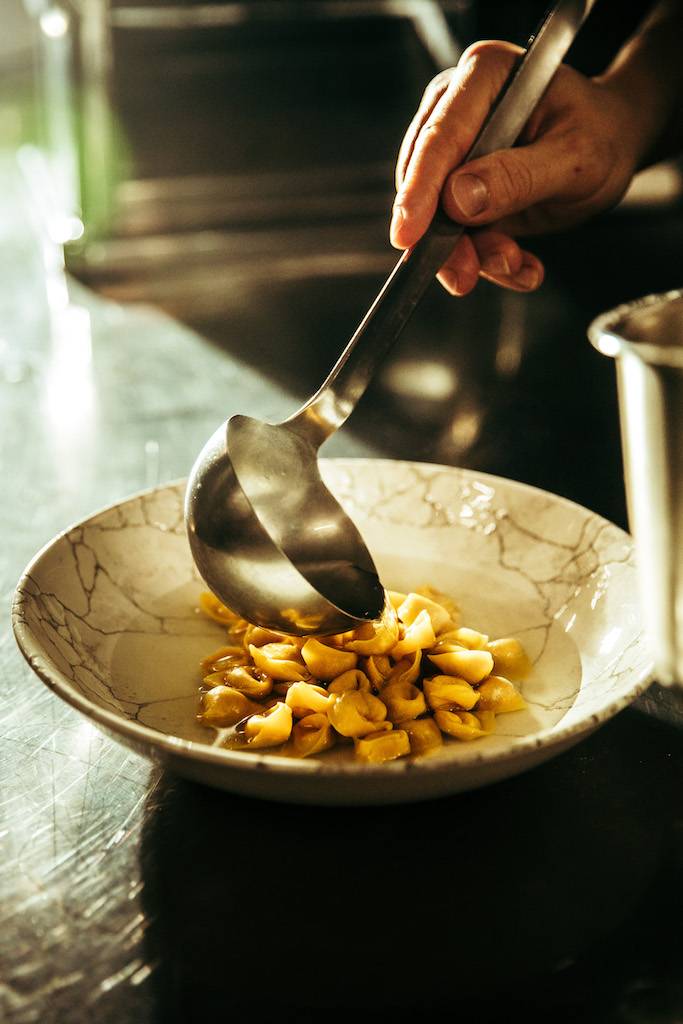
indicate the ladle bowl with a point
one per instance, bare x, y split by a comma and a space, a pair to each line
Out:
270, 538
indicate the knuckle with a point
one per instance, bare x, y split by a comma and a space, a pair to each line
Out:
490, 53
488, 63
415, 192
438, 85
514, 180
435, 139
440, 81
433, 132
483, 50
444, 134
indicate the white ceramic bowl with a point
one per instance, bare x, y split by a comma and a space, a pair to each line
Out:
106, 615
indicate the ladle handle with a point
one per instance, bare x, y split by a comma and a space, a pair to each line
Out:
336, 398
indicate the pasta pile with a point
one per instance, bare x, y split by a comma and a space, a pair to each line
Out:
392, 687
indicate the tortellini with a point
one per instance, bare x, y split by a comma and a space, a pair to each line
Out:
306, 699
279, 661
222, 706
403, 701
354, 679
382, 746
271, 728
391, 689
471, 665
424, 735
449, 692
463, 725
509, 658
224, 658
248, 680
500, 695
414, 604
217, 611
312, 735
418, 636
325, 662
377, 668
376, 637
407, 670
356, 713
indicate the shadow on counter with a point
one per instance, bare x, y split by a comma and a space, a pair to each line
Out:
552, 893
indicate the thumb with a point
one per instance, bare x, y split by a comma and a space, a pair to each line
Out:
508, 181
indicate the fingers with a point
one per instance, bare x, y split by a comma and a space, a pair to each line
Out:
432, 94
432, 156
441, 134
499, 255
460, 272
527, 278
494, 256
499, 188
509, 181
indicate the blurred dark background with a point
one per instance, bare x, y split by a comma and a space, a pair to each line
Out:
232, 164
234, 167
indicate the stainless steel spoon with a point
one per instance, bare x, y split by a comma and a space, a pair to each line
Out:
268, 537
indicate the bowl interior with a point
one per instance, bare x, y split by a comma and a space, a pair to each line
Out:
107, 613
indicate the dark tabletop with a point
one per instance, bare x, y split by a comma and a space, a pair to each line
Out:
130, 895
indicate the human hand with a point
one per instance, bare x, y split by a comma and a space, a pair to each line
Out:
575, 157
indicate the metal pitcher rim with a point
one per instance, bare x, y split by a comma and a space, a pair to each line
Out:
603, 332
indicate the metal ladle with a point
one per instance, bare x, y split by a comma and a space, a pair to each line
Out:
268, 537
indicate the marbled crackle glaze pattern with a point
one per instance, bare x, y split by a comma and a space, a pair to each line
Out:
106, 613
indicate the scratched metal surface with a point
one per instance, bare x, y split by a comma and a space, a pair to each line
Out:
129, 895
96, 402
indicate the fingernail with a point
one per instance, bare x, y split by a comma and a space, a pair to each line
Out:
397, 218
470, 194
449, 281
527, 277
496, 264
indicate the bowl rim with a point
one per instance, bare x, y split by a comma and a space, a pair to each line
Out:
148, 739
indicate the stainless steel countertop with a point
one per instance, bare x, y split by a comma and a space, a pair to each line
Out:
129, 895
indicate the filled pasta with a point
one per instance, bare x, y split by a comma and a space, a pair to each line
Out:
390, 689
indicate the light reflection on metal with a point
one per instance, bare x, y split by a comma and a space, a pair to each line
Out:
646, 337
69, 406
82, 738
608, 345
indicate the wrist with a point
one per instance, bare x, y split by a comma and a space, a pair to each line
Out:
646, 82
633, 117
